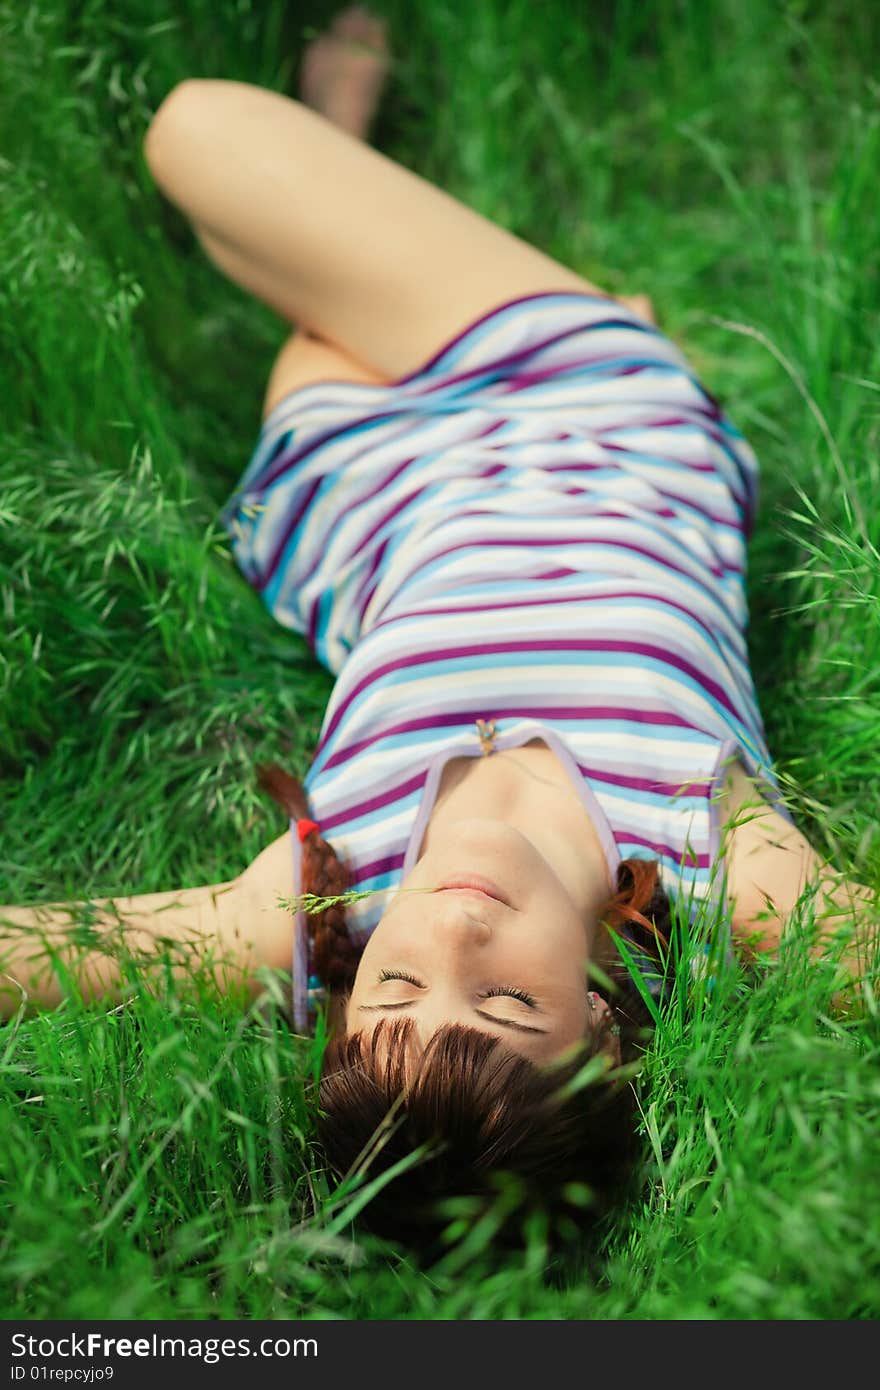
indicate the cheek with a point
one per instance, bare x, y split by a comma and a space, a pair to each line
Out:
552, 961
554, 931
575, 1011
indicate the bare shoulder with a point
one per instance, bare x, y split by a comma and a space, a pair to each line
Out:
767, 860
268, 878
742, 806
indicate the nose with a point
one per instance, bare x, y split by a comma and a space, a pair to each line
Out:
456, 919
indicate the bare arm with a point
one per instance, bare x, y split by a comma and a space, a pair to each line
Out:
770, 864
235, 925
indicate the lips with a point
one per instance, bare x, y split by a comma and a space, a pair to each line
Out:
475, 883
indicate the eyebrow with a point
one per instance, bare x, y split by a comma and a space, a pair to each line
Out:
502, 1022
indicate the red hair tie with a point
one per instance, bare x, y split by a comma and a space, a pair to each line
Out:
305, 827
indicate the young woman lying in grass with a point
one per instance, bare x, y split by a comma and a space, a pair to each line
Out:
513, 524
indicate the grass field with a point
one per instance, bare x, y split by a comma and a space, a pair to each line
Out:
158, 1160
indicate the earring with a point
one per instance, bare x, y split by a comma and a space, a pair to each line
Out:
591, 1000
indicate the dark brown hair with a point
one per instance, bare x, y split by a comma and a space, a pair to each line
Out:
478, 1108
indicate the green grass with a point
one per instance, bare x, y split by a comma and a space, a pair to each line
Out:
158, 1160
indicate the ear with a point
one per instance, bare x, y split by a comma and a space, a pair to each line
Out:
603, 1026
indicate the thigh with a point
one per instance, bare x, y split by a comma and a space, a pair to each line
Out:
360, 251
303, 361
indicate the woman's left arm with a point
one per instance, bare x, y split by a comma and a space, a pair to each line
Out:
769, 865
236, 925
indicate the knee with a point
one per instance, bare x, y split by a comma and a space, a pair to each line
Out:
216, 105
165, 112
183, 106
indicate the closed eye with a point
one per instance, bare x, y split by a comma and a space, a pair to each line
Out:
399, 975
411, 1004
513, 992
493, 993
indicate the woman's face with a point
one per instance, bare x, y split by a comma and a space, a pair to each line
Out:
515, 969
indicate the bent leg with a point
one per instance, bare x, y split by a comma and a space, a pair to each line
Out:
303, 361
355, 248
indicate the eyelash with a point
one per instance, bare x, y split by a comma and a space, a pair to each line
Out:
498, 989
509, 989
398, 975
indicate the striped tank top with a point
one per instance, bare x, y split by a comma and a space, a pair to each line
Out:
544, 526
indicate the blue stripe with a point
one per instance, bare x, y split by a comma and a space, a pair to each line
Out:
430, 568
502, 588
325, 611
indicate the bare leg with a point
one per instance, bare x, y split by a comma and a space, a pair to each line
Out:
344, 71
343, 241
342, 76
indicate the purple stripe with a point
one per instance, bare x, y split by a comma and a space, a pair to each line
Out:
662, 423
489, 314
665, 457
390, 514
292, 522
381, 486
343, 427
525, 379
616, 321
386, 482
541, 602
587, 295
359, 421
389, 864
398, 507
698, 861
631, 713
530, 542
370, 582
260, 581
637, 455
452, 719
375, 803
716, 435
404, 502
372, 579
549, 644
643, 784
492, 364
564, 467
487, 472
710, 516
